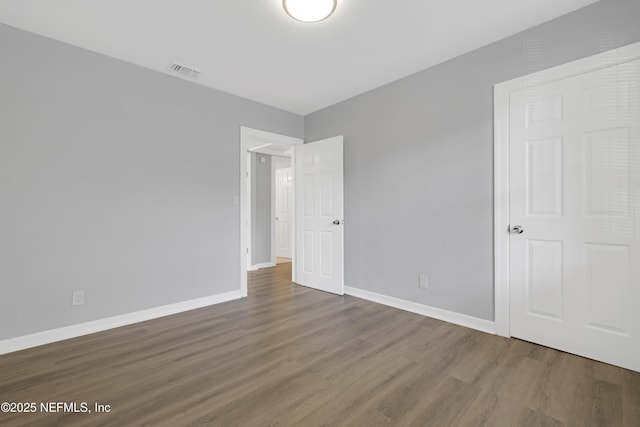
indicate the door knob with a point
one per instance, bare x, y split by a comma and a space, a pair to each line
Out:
337, 222
517, 229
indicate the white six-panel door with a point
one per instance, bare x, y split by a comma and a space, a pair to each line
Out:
318, 178
575, 191
284, 211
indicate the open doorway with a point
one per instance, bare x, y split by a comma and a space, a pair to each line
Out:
318, 226
259, 215
261, 154
270, 219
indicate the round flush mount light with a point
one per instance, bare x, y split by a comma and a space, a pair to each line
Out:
309, 10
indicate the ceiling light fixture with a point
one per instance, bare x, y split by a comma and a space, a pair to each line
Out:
309, 10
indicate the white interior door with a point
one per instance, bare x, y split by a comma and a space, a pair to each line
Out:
318, 180
575, 193
284, 211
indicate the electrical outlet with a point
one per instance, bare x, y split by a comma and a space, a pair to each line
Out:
78, 298
423, 282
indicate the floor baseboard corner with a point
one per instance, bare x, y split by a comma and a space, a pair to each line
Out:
482, 325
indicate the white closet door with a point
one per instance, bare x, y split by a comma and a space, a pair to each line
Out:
575, 214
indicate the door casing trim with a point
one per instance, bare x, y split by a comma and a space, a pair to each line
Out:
252, 138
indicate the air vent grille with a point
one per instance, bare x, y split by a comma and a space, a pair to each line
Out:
181, 70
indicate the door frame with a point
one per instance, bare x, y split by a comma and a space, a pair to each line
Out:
501, 143
253, 139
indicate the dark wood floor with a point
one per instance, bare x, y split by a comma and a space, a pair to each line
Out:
292, 356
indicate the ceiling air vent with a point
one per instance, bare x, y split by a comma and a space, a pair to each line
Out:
183, 71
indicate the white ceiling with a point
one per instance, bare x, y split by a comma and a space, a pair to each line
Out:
251, 48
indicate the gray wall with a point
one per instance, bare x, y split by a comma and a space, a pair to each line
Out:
261, 215
116, 180
418, 161
119, 180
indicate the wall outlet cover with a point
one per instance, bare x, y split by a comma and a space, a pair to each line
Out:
77, 298
423, 282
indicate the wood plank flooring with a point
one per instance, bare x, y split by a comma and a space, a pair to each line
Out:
292, 356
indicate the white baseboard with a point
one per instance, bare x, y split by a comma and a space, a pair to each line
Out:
262, 265
425, 310
46, 337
